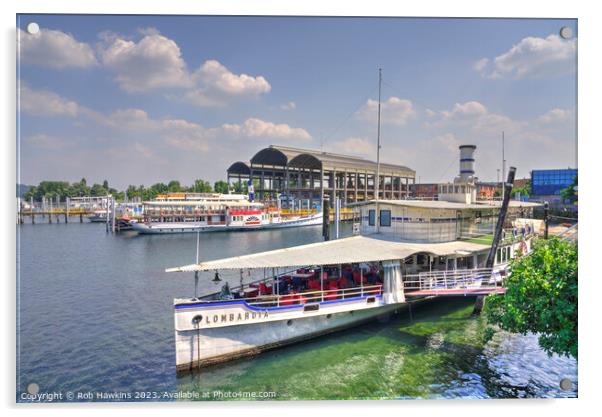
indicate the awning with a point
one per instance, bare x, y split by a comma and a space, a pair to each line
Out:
341, 251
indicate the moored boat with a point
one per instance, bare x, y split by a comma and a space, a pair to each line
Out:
182, 212
407, 250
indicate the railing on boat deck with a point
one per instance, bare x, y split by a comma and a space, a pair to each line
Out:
275, 300
454, 279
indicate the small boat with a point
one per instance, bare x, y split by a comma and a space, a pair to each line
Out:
98, 216
185, 212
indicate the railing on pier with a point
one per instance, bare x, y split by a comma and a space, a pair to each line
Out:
481, 280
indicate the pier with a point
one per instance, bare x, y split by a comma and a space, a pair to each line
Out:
55, 211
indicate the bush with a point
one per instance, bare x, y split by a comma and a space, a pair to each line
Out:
541, 297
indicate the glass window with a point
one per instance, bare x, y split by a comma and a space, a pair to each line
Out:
371, 217
385, 218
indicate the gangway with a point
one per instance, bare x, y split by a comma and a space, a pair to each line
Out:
478, 281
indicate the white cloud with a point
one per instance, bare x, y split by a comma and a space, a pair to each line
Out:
394, 110
217, 86
474, 116
468, 109
259, 129
178, 133
54, 49
216, 76
44, 141
46, 103
289, 106
556, 115
481, 64
532, 57
353, 145
155, 62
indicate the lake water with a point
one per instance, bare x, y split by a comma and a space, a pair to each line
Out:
95, 315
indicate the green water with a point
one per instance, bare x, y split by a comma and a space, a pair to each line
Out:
437, 352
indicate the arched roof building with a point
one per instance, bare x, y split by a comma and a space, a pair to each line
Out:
310, 175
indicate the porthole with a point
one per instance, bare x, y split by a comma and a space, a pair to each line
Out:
197, 319
328, 316
289, 323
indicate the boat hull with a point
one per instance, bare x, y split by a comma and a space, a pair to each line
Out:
170, 228
197, 348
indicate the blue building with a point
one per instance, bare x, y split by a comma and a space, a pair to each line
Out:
547, 182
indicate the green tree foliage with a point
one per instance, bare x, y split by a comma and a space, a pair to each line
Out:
525, 190
62, 189
174, 187
569, 194
221, 187
240, 188
541, 297
201, 186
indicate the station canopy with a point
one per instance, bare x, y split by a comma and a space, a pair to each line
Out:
286, 156
354, 249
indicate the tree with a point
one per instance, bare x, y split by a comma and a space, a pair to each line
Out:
239, 188
569, 193
221, 187
541, 297
174, 186
201, 186
98, 190
525, 190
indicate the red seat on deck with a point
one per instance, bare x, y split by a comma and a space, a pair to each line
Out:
264, 289
342, 282
286, 300
314, 284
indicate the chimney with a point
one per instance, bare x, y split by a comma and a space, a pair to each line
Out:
467, 172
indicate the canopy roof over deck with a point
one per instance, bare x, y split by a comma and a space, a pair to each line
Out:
341, 251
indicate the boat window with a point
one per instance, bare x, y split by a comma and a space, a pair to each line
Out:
371, 217
385, 218
499, 256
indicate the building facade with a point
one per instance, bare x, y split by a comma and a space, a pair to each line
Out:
549, 182
304, 175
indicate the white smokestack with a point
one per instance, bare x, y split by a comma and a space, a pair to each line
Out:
467, 171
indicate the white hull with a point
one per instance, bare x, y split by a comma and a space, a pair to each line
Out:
194, 227
262, 330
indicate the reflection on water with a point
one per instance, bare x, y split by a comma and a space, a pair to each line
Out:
95, 313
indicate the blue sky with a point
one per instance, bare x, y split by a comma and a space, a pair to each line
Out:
142, 99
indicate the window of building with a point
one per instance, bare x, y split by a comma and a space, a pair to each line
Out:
385, 218
371, 217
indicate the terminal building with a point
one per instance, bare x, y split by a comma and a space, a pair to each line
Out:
309, 175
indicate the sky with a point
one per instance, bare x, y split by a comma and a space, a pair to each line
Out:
145, 99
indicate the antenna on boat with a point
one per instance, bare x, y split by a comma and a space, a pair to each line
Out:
196, 273
377, 179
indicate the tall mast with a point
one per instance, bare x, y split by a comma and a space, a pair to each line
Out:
503, 162
377, 179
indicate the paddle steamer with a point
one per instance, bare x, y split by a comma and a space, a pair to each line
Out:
187, 212
405, 250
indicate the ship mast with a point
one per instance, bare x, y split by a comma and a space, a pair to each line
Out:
377, 179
